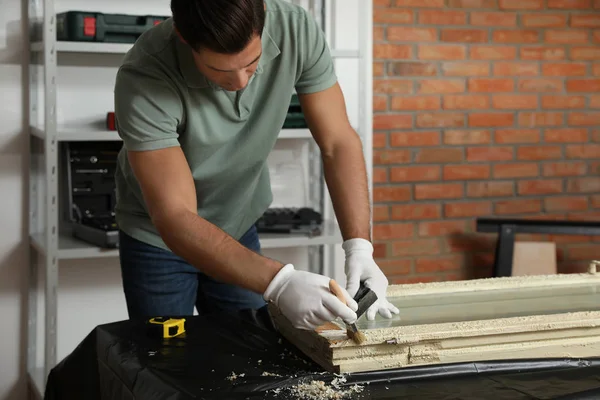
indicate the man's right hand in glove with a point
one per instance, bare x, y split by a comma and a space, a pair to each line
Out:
305, 299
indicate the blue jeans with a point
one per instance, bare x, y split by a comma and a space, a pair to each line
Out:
157, 282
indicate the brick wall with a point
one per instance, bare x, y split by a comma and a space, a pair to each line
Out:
482, 108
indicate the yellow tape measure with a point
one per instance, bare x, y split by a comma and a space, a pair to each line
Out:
168, 327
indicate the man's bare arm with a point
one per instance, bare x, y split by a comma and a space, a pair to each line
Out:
169, 193
343, 160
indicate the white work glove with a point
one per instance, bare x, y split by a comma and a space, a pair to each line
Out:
360, 266
305, 299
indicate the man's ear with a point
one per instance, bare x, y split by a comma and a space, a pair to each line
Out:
179, 34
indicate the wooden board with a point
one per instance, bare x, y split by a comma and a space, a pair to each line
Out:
543, 316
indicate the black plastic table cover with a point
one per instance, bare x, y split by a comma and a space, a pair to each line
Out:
241, 356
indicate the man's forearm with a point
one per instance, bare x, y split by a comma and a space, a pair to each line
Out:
346, 177
215, 253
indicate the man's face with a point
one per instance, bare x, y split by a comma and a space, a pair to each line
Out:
231, 72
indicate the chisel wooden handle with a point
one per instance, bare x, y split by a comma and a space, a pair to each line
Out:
337, 291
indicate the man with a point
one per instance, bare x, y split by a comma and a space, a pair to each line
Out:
199, 101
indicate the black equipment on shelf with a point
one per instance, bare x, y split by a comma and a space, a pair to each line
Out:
92, 191
303, 220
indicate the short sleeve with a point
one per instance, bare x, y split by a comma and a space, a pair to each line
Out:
316, 72
147, 110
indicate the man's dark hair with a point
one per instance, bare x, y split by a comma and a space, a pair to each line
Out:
223, 26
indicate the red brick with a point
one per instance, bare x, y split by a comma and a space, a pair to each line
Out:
492, 153
586, 216
411, 34
521, 4
564, 168
483, 52
441, 228
540, 118
415, 174
378, 69
393, 16
490, 189
378, 34
547, 53
564, 69
516, 170
541, 85
383, 194
381, 3
412, 68
415, 139
583, 252
441, 52
595, 101
415, 279
480, 120
563, 102
391, 51
585, 21
540, 186
516, 36
590, 184
392, 121
465, 68
495, 19
472, 4
381, 213
396, 86
536, 20
504, 136
380, 250
595, 201
591, 118
429, 191
439, 155
596, 69
596, 4
516, 69
380, 175
490, 85
424, 265
379, 140
570, 4
583, 85
535, 153
585, 53
462, 137
566, 36
445, 17
467, 209
393, 231
596, 36
379, 103
440, 120
566, 203
407, 212
464, 35
519, 206
515, 101
566, 135
395, 267
420, 3
583, 151
441, 86
466, 102
412, 103
466, 172
415, 247
381, 157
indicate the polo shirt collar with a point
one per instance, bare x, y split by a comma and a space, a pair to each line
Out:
196, 79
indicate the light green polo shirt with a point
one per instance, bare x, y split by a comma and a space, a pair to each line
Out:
162, 100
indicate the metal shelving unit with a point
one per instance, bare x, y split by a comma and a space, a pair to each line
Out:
50, 243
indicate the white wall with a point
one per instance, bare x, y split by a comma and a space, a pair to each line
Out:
91, 286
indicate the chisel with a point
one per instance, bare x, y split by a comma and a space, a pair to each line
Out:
365, 298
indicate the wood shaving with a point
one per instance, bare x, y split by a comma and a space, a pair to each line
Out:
319, 390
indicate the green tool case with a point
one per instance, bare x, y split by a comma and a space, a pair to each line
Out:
85, 26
